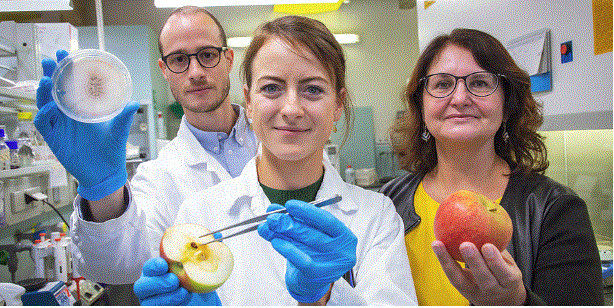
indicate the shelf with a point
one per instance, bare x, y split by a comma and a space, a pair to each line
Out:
23, 171
6, 50
12, 93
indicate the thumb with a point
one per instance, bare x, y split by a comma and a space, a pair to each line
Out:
155, 267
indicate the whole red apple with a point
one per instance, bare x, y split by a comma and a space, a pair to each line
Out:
200, 268
467, 216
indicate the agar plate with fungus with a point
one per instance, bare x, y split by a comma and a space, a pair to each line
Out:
91, 86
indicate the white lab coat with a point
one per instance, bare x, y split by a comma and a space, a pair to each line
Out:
113, 252
382, 272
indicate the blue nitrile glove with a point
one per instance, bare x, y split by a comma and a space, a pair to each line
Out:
158, 287
94, 153
318, 248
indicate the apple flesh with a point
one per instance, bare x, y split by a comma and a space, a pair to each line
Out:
200, 268
467, 216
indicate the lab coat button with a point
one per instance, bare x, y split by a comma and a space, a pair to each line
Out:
229, 151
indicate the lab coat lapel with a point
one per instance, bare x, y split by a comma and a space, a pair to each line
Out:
332, 185
195, 156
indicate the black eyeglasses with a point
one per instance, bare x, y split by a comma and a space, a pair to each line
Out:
208, 57
479, 84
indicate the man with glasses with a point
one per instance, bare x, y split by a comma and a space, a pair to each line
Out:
117, 226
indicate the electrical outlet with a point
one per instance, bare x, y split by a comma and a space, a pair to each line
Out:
18, 201
31, 191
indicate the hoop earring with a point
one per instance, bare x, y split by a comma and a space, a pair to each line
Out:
505, 134
335, 127
426, 135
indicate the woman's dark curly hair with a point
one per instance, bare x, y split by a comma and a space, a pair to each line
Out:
525, 150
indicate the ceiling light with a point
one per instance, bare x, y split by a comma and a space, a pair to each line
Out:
348, 38
178, 3
243, 41
35, 5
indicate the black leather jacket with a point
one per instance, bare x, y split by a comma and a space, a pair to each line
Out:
553, 242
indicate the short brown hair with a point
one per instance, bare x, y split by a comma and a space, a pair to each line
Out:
525, 150
193, 10
311, 34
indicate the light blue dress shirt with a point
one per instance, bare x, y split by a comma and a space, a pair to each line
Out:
231, 151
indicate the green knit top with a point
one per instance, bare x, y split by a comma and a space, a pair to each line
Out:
306, 194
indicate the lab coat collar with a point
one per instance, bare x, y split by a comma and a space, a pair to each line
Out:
195, 154
332, 184
192, 152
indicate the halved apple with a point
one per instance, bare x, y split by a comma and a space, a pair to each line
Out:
200, 268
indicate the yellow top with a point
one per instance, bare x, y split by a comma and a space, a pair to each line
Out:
432, 286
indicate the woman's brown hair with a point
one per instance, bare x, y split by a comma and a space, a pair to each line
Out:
525, 150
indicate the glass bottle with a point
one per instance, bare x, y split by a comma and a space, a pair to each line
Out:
5, 155
14, 157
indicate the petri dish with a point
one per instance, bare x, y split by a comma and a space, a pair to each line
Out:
91, 86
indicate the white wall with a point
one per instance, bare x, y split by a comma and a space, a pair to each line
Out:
582, 88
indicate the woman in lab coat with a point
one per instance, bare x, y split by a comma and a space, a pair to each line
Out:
471, 123
294, 73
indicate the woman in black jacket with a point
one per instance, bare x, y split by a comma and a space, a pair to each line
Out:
471, 123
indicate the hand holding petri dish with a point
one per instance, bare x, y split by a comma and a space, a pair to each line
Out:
91, 86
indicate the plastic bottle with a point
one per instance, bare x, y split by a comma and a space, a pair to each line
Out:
350, 175
25, 152
5, 155
14, 157
26, 129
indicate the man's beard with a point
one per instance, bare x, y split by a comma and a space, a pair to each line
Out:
215, 106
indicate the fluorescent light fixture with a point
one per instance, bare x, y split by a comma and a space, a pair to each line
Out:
243, 41
35, 5
348, 38
178, 3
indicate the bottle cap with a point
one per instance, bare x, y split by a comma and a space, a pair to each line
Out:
24, 115
91, 86
12, 144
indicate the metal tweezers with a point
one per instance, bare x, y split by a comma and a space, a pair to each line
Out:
317, 203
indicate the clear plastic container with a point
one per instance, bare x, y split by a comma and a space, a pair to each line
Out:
350, 175
91, 86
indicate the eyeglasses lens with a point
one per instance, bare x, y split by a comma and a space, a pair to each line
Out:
481, 84
208, 57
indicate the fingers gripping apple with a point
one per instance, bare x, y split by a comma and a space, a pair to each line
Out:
467, 216
200, 268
